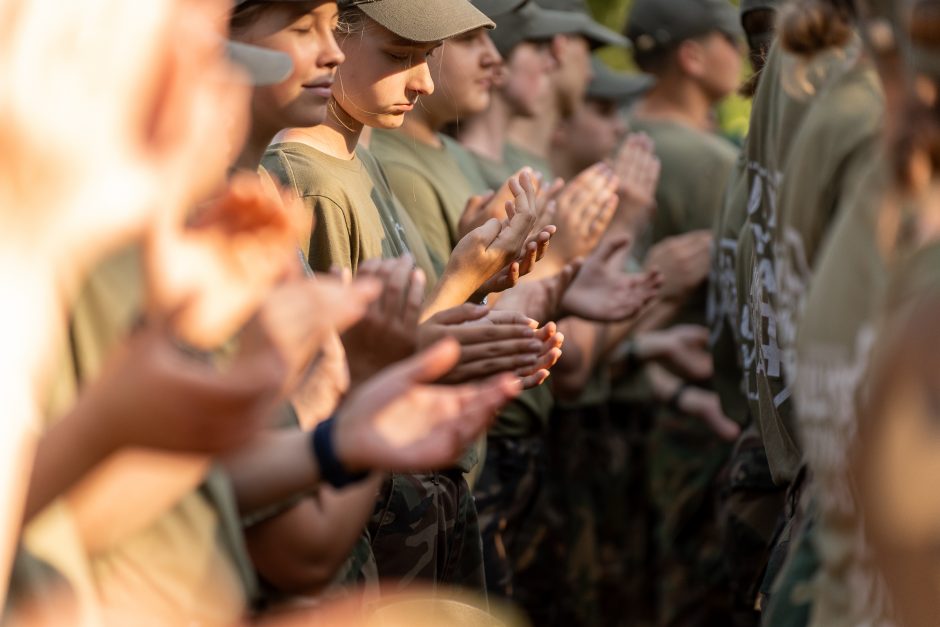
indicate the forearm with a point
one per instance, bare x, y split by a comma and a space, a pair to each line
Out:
300, 550
65, 454
277, 466
583, 342
454, 288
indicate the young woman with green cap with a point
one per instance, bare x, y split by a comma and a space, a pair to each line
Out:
358, 217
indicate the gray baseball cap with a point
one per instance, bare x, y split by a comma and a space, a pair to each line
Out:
494, 8
656, 24
530, 22
423, 20
618, 87
595, 32
264, 66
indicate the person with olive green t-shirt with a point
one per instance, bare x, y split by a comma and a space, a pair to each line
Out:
356, 218
780, 106
835, 336
669, 37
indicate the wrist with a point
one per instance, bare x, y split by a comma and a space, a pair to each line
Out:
327, 448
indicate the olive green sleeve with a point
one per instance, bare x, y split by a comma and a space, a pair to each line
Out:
334, 239
421, 201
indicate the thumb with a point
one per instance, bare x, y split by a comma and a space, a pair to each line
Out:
431, 364
614, 246
459, 315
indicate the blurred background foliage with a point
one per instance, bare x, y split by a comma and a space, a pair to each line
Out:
733, 114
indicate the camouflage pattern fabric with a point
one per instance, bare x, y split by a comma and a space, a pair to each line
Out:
751, 507
633, 600
424, 530
785, 594
508, 495
685, 461
556, 581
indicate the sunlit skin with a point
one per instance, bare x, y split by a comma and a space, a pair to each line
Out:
145, 123
465, 71
524, 87
305, 32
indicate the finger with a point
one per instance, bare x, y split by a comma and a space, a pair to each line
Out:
398, 289
488, 232
529, 349
458, 315
486, 367
507, 316
535, 380
429, 365
415, 299
478, 333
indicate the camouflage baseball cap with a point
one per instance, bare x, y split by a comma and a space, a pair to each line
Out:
595, 32
618, 87
423, 20
494, 8
665, 23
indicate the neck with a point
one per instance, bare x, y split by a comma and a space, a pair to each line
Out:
259, 138
420, 126
486, 134
677, 100
337, 137
535, 134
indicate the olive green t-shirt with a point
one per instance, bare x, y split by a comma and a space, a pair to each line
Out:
468, 165
429, 183
516, 157
192, 559
696, 168
722, 305
352, 212
835, 336
788, 88
492, 174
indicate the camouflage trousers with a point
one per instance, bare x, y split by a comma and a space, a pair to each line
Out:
686, 459
509, 497
424, 530
794, 562
751, 507
583, 576
557, 584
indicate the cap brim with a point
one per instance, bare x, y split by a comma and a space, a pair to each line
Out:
426, 21
598, 34
620, 88
495, 8
264, 66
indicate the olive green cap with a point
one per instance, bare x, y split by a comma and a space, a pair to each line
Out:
595, 32
618, 87
494, 8
264, 66
423, 21
657, 24
530, 22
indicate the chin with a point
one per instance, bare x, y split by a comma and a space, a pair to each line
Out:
388, 121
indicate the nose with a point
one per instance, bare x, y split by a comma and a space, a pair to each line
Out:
332, 55
490, 56
420, 81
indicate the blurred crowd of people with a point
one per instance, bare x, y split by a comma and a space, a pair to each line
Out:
388, 312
